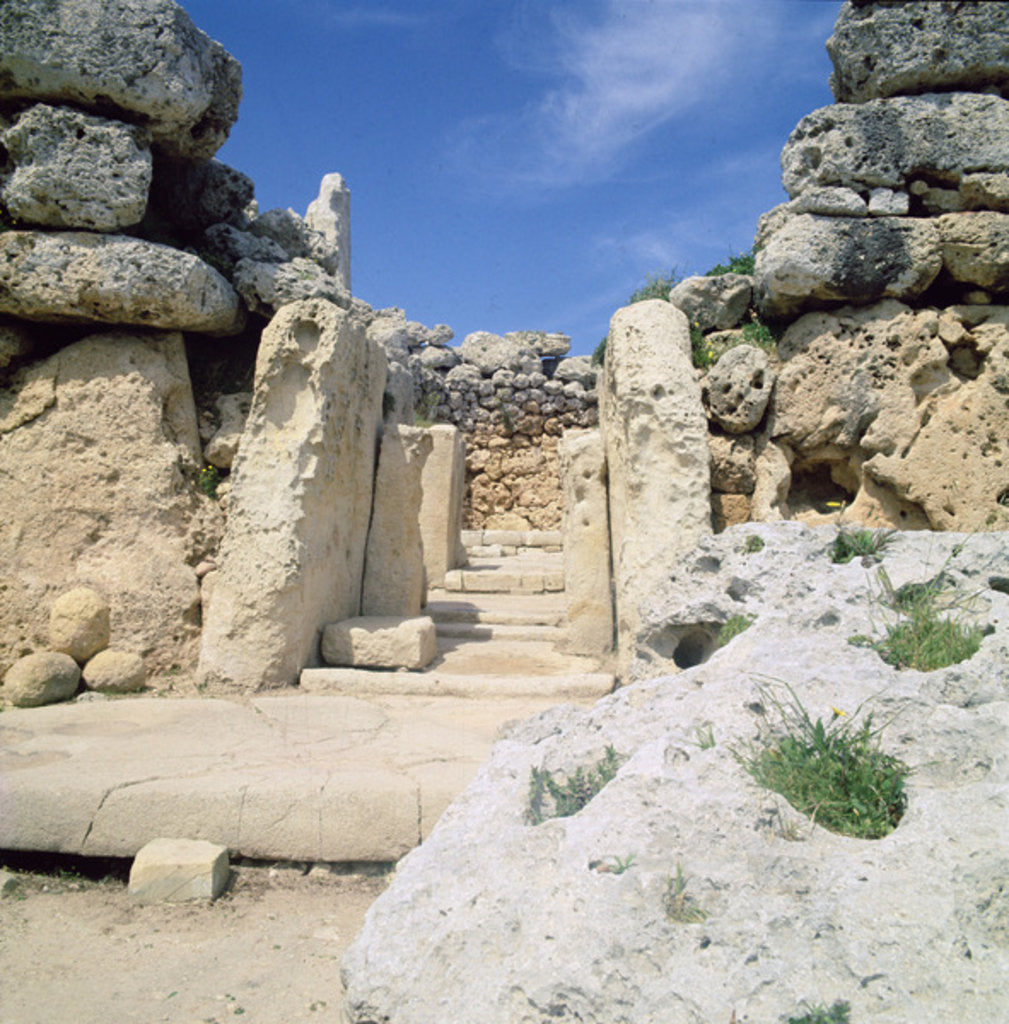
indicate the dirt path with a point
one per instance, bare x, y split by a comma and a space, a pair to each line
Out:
267, 952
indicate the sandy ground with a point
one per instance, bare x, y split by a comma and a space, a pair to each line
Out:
266, 952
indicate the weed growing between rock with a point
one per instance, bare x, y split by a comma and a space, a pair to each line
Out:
849, 544
732, 627
754, 543
834, 772
679, 906
209, 481
839, 1013
550, 798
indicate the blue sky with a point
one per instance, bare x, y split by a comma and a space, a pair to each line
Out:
524, 164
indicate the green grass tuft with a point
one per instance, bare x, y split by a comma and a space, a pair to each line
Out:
849, 544
839, 1013
550, 797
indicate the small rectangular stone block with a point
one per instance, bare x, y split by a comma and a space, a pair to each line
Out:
176, 870
381, 641
513, 538
472, 538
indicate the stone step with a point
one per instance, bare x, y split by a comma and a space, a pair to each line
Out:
498, 580
502, 609
475, 632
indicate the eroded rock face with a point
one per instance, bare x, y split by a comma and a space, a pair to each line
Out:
789, 912
886, 49
79, 277
292, 557
73, 170
146, 60
738, 388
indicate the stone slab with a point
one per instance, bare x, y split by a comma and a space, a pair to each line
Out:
176, 870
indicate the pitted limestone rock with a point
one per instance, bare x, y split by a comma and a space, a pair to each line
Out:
194, 197
738, 388
714, 303
975, 248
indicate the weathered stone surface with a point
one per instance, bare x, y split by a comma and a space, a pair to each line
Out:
79, 277
298, 240
115, 672
398, 400
577, 368
975, 248
177, 870
74, 170
787, 912
224, 245
655, 433
147, 61
490, 352
772, 474
443, 485
581, 460
714, 302
883, 143
811, 260
268, 286
94, 456
543, 343
986, 191
232, 412
829, 201
381, 642
79, 623
738, 388
885, 49
885, 202
394, 560
16, 342
292, 556
732, 463
196, 196
43, 678
329, 215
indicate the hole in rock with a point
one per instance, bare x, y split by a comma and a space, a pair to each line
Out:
684, 645
694, 648
814, 489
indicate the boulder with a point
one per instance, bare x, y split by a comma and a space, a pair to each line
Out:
489, 352
443, 487
439, 335
439, 358
394, 559
884, 49
268, 286
398, 400
380, 642
115, 672
389, 328
44, 678
713, 303
738, 388
78, 277
577, 368
74, 170
146, 61
329, 215
194, 197
79, 623
683, 890
656, 439
301, 486
581, 463
883, 143
98, 454
975, 248
812, 261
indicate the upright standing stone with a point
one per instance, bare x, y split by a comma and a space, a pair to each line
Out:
394, 563
443, 481
293, 554
656, 439
587, 579
329, 214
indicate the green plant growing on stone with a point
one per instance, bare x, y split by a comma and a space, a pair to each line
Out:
424, 410
839, 1013
613, 865
550, 797
753, 544
732, 627
656, 286
209, 480
835, 771
679, 906
705, 736
743, 263
849, 544
599, 353
758, 334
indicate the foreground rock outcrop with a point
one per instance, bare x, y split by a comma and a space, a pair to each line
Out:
499, 920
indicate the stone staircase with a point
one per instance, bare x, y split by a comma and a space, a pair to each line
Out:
501, 624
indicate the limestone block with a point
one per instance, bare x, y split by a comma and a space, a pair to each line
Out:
194, 197
115, 672
541, 342
986, 191
829, 201
578, 368
439, 358
329, 215
718, 302
224, 245
398, 400
738, 388
443, 485
732, 463
16, 342
882, 143
394, 560
297, 239
381, 642
176, 870
268, 286
975, 248
885, 202
656, 440
772, 473
489, 352
43, 678
389, 328
79, 277
73, 170
79, 623
292, 556
232, 411
886, 49
108, 436
439, 335
148, 61
811, 260
729, 510
587, 578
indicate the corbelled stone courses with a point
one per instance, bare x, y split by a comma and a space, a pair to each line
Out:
883, 49
886, 143
656, 439
292, 557
394, 559
79, 277
73, 170
144, 59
